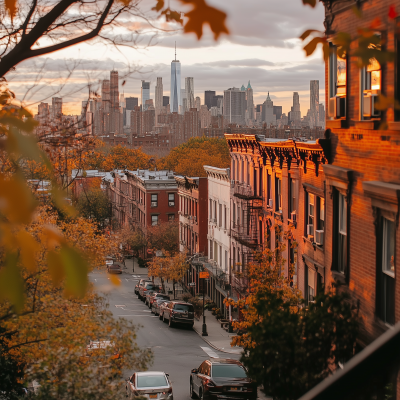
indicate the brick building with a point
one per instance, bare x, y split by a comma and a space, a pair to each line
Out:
363, 181
143, 198
278, 186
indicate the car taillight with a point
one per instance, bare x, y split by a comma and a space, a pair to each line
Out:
144, 290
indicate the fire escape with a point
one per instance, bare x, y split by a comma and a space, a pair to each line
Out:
246, 230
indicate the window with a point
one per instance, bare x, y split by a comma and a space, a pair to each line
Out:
220, 256
278, 194
255, 182
234, 214
321, 214
269, 197
386, 278
171, 217
210, 210
154, 200
293, 263
225, 216
292, 196
242, 171
154, 220
310, 214
220, 215
311, 285
226, 261
171, 199
337, 84
340, 232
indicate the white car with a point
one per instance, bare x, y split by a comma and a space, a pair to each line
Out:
150, 385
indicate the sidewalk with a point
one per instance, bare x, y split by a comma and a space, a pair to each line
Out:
218, 338
129, 263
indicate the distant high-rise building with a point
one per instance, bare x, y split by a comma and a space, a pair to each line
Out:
84, 110
277, 112
295, 113
216, 100
268, 112
234, 106
183, 107
131, 103
158, 98
165, 101
259, 108
314, 103
175, 85
321, 113
250, 103
197, 101
189, 87
205, 117
145, 94
43, 112
208, 98
106, 107
114, 92
56, 107
122, 103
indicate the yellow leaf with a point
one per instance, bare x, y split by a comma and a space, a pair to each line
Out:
52, 236
28, 248
16, 200
56, 267
115, 280
11, 282
75, 271
11, 7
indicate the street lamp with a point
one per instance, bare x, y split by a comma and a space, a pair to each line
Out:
204, 275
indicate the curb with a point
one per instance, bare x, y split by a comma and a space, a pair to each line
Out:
212, 345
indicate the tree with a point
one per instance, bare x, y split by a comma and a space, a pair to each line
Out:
66, 23
294, 351
164, 236
190, 157
95, 205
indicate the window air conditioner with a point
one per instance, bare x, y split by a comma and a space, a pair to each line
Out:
319, 237
171, 203
271, 203
369, 106
154, 204
293, 216
310, 230
337, 107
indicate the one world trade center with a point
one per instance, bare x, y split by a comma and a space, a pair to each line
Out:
175, 99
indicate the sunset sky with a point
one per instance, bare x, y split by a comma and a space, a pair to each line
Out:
263, 47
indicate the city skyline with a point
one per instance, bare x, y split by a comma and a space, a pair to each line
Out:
267, 51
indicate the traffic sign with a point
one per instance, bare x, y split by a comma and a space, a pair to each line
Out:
204, 275
192, 284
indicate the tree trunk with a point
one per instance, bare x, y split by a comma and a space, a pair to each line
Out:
162, 284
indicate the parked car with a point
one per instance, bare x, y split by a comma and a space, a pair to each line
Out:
177, 312
156, 306
156, 295
218, 378
140, 283
115, 268
150, 385
148, 295
147, 286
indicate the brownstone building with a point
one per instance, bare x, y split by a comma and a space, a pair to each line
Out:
363, 181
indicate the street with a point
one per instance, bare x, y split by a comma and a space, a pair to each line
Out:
176, 350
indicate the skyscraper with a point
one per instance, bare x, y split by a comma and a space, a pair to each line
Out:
208, 98
234, 106
158, 98
250, 103
165, 101
56, 107
295, 113
114, 92
145, 94
175, 85
314, 103
189, 86
268, 115
183, 107
198, 103
131, 103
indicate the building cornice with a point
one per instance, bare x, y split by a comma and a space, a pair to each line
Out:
303, 153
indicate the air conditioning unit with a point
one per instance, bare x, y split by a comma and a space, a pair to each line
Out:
171, 203
195, 219
337, 107
271, 203
293, 216
369, 106
319, 237
154, 204
310, 230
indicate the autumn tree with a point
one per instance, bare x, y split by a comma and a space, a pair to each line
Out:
190, 157
164, 236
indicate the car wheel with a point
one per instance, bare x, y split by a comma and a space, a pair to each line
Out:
192, 393
170, 323
163, 318
201, 394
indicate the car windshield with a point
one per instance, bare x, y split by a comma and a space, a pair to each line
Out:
147, 381
228, 371
183, 307
150, 286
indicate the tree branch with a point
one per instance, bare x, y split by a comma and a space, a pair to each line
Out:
28, 17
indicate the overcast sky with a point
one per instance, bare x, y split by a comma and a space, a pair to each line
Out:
263, 47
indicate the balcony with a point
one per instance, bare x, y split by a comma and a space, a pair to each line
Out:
245, 192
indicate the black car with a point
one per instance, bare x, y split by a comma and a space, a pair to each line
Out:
177, 312
222, 379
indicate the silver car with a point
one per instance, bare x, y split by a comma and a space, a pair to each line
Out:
150, 385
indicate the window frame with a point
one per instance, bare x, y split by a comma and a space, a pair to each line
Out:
152, 222
153, 201
170, 201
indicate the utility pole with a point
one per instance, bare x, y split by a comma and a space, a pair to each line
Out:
204, 275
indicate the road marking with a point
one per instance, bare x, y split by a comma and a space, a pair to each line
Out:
210, 352
120, 305
137, 315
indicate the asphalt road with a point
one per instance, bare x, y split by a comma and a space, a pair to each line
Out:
176, 350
